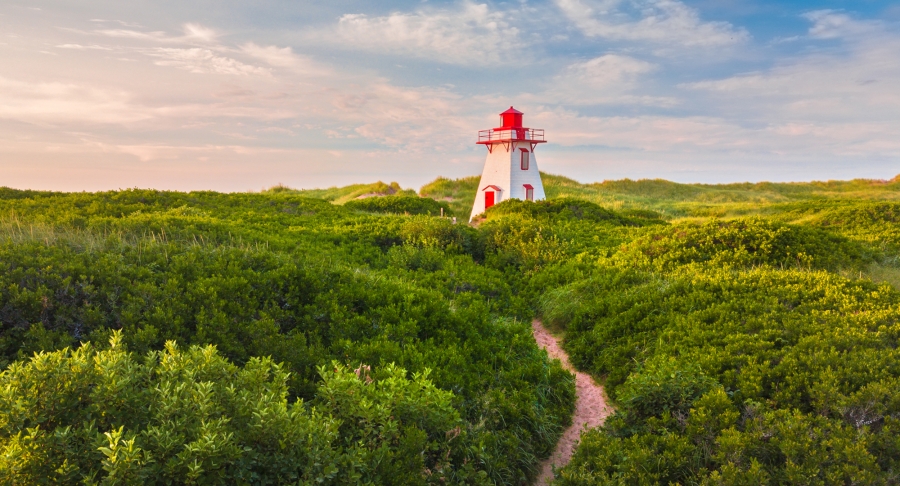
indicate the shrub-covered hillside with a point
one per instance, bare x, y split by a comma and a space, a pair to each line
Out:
747, 334
742, 350
450, 385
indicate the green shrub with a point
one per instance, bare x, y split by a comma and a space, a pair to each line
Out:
108, 416
743, 243
811, 353
557, 209
442, 234
662, 386
400, 205
872, 222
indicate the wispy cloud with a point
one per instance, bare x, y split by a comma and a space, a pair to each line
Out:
159, 36
284, 57
273, 55
469, 33
660, 22
134, 25
203, 61
81, 47
55, 102
710, 135
607, 79
199, 32
833, 24
191, 33
856, 82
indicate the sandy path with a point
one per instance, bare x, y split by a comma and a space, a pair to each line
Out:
591, 408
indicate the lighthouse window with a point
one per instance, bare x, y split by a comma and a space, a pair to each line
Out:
529, 192
524, 159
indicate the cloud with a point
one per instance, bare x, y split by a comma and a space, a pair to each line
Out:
54, 102
81, 47
832, 102
192, 33
707, 135
606, 71
402, 117
607, 79
833, 24
470, 34
650, 133
273, 55
660, 22
234, 92
203, 61
295, 89
198, 32
210, 58
133, 34
148, 152
858, 81
284, 57
837, 99
120, 22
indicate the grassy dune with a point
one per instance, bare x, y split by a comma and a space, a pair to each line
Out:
862, 209
340, 195
674, 200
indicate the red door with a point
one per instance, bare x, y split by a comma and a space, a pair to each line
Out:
488, 199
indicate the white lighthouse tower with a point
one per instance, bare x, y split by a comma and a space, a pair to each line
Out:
510, 170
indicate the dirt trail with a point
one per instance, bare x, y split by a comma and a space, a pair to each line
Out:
591, 408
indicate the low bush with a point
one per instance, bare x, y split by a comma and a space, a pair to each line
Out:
797, 361
558, 209
400, 205
108, 416
743, 243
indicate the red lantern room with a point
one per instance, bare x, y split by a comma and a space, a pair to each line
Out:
511, 118
510, 130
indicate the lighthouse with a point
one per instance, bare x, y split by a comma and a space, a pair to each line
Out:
510, 169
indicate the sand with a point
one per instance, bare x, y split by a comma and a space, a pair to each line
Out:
591, 407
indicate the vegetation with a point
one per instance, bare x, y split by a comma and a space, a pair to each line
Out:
751, 350
747, 334
400, 205
673, 200
301, 281
459, 193
340, 195
191, 416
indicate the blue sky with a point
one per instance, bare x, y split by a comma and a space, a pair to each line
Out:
231, 95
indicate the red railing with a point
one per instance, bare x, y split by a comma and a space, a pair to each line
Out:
535, 135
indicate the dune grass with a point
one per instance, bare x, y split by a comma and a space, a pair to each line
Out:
674, 200
340, 195
789, 201
458, 193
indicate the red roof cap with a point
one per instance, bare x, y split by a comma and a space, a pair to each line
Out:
511, 118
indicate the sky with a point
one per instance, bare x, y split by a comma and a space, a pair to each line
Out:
238, 95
